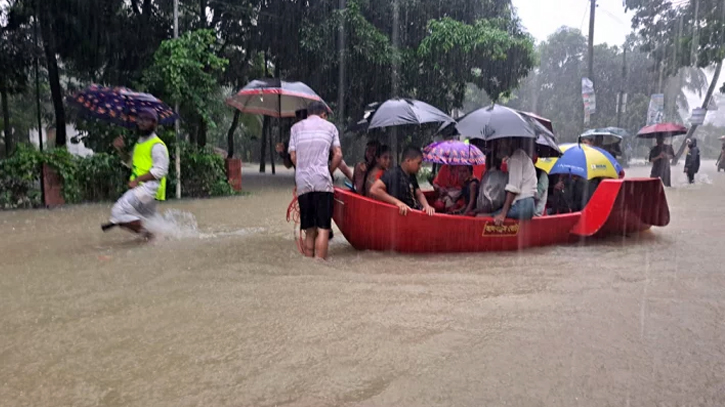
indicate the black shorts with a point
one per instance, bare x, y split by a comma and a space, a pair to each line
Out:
316, 210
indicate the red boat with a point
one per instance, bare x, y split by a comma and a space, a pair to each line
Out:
373, 225
617, 207
623, 207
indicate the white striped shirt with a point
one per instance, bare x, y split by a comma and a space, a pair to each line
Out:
313, 139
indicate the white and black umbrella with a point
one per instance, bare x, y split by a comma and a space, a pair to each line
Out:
274, 97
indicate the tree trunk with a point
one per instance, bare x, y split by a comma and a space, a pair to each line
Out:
6, 120
201, 139
705, 104
263, 145
230, 133
56, 92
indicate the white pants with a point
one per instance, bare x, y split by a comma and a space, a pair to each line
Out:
129, 208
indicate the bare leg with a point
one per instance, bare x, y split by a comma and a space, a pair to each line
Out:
310, 236
322, 243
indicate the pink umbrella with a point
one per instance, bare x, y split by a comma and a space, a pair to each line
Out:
453, 152
662, 130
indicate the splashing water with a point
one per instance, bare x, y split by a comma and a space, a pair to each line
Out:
174, 224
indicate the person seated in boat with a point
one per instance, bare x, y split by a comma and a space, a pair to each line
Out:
522, 180
383, 160
361, 168
469, 191
448, 189
399, 186
492, 189
542, 190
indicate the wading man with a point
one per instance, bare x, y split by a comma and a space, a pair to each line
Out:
150, 164
311, 142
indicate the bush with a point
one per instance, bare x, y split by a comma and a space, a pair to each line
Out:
102, 177
19, 179
202, 173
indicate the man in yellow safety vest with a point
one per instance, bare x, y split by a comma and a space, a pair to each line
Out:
147, 185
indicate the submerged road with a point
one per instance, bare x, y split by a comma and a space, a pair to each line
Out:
223, 311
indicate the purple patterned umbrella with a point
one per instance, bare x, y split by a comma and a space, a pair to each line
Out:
453, 152
119, 105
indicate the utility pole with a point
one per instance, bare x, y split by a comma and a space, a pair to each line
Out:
696, 34
711, 88
622, 99
37, 99
176, 109
396, 73
341, 69
591, 39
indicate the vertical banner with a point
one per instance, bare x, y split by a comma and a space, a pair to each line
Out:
656, 110
590, 101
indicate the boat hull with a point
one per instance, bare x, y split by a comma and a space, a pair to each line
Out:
373, 225
624, 207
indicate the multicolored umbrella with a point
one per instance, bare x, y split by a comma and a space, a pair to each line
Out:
583, 161
452, 152
274, 97
119, 105
662, 130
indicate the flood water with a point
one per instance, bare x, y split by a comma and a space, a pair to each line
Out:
223, 311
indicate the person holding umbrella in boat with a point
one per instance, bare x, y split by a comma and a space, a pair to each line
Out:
150, 164
522, 184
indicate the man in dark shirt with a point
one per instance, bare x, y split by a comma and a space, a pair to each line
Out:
660, 157
399, 186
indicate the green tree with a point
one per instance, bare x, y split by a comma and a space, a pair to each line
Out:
184, 71
16, 57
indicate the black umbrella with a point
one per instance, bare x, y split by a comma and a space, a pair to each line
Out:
399, 112
497, 122
362, 124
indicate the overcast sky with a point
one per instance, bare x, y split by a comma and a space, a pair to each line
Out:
542, 17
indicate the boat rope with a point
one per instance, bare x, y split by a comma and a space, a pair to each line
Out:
293, 215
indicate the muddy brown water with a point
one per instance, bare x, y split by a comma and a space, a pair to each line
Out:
229, 314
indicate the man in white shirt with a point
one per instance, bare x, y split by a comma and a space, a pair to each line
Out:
521, 187
150, 164
311, 142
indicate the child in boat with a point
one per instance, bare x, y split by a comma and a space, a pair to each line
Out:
361, 168
399, 186
469, 191
448, 188
383, 160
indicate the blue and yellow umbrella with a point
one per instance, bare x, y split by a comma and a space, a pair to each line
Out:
583, 161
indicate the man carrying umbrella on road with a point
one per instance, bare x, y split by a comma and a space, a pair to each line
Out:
150, 164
